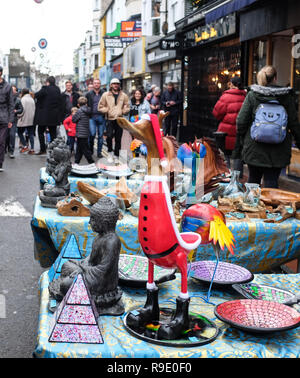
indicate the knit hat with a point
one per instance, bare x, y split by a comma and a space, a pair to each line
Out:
157, 133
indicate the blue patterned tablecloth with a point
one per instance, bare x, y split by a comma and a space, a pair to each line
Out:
259, 246
118, 343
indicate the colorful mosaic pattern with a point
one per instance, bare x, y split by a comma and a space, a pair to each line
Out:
75, 320
226, 273
135, 268
70, 250
258, 316
263, 292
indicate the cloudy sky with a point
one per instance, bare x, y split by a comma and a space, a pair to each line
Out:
62, 23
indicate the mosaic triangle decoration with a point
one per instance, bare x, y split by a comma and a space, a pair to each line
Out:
75, 320
70, 250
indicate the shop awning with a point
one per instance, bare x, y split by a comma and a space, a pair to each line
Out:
226, 8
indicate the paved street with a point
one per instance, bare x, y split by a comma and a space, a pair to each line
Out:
19, 272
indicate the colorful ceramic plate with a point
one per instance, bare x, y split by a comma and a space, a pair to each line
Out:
264, 292
200, 331
226, 273
133, 271
258, 316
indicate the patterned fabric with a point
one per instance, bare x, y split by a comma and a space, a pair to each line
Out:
118, 343
259, 245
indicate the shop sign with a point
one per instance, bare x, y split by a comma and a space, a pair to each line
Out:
113, 43
170, 44
130, 31
200, 3
158, 56
221, 28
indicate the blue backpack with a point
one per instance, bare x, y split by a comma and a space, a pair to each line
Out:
270, 123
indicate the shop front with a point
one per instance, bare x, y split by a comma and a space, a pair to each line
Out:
212, 55
165, 66
135, 68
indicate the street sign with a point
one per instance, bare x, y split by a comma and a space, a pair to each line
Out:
169, 44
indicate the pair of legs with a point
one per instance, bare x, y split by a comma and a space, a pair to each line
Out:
71, 142
171, 123
41, 133
30, 130
114, 131
97, 126
11, 139
270, 176
3, 133
83, 149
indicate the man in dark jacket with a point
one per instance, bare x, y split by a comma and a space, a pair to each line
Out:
69, 100
49, 108
97, 121
171, 101
82, 120
11, 135
6, 114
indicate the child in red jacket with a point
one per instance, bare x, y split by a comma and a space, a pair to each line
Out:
70, 129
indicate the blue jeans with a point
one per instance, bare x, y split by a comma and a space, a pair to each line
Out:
96, 123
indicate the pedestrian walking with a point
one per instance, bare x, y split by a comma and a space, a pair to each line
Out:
25, 121
226, 111
171, 102
69, 100
114, 103
11, 135
97, 120
266, 124
6, 114
82, 120
155, 101
138, 105
49, 109
70, 127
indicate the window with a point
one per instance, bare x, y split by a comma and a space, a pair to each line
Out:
96, 33
155, 14
96, 61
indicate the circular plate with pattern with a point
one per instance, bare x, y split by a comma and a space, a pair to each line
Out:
226, 273
253, 290
258, 316
133, 271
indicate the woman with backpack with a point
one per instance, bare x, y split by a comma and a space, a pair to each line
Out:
266, 125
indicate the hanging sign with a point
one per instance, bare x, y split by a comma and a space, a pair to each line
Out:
170, 44
130, 31
43, 43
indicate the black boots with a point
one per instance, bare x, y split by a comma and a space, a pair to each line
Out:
179, 322
148, 314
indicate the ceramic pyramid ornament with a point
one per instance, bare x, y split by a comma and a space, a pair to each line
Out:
75, 320
70, 250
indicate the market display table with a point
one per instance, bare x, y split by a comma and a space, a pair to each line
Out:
118, 343
99, 182
259, 246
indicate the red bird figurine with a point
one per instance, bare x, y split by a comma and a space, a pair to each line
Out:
159, 236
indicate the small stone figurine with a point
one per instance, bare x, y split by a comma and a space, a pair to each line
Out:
58, 166
101, 268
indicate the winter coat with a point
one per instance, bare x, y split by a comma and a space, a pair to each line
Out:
67, 105
27, 117
175, 96
143, 108
6, 104
82, 120
226, 110
70, 126
90, 97
112, 110
49, 106
264, 154
18, 108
